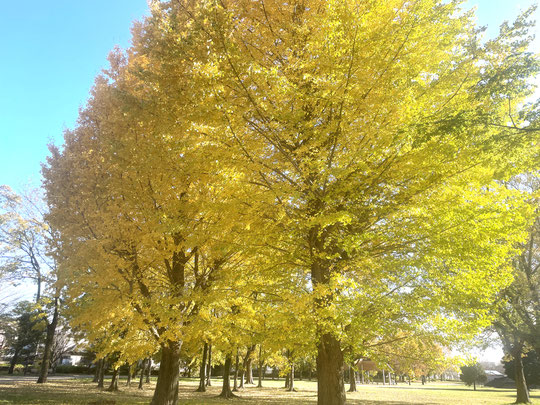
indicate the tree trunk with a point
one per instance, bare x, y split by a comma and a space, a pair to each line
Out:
522, 396
209, 370
51, 330
14, 360
287, 379
114, 382
291, 379
474, 385
235, 384
330, 383
99, 366
249, 370
352, 379
202, 373
166, 392
101, 378
242, 376
38, 279
141, 379
259, 385
245, 362
129, 376
330, 387
226, 389
148, 370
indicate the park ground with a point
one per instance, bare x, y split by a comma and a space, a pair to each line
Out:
66, 390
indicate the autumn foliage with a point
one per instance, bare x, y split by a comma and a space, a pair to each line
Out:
316, 176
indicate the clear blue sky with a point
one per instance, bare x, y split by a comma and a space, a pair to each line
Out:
51, 52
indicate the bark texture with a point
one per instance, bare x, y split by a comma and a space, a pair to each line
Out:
166, 392
330, 383
226, 391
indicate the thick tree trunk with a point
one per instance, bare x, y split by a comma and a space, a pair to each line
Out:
330, 383
202, 372
352, 379
235, 383
287, 379
209, 369
141, 379
522, 396
330, 386
226, 389
114, 382
51, 330
166, 392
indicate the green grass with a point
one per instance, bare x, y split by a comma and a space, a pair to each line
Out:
79, 391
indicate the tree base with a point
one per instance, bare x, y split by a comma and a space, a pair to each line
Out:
228, 395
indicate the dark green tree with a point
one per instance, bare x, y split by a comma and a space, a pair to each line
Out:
473, 374
29, 332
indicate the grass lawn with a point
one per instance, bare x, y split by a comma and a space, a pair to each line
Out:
82, 391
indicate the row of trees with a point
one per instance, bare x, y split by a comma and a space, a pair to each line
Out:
319, 177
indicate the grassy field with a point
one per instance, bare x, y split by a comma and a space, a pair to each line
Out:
82, 391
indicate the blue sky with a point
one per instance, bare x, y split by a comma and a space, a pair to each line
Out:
51, 52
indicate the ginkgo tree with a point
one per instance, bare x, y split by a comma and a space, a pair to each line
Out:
134, 220
358, 119
353, 145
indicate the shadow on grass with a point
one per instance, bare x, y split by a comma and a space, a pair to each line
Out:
77, 392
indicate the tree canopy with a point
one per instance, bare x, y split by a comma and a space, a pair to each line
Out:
333, 160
